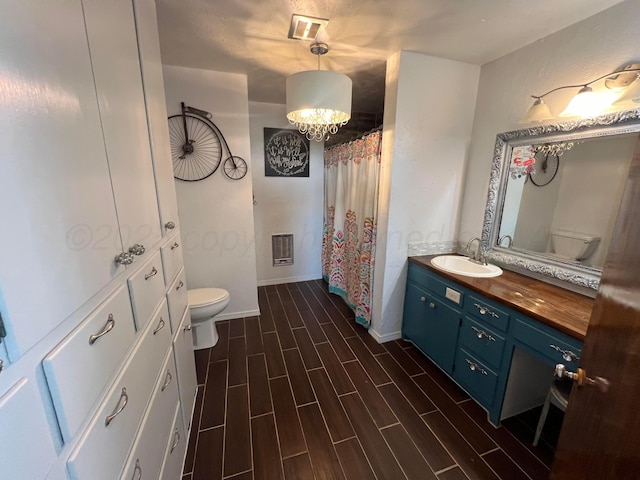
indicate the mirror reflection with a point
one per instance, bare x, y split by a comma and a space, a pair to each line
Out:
565, 207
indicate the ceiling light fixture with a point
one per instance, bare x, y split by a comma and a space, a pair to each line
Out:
318, 101
586, 102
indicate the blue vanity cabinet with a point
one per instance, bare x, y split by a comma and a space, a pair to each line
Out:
429, 322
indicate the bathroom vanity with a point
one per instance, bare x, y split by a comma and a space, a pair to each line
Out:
498, 338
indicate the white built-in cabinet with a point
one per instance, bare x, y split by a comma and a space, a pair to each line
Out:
97, 378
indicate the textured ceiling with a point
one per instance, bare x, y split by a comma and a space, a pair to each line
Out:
250, 36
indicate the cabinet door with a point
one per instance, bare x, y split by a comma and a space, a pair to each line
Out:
116, 65
413, 327
153, 82
186, 368
58, 214
23, 422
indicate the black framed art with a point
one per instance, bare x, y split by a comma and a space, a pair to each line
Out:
286, 153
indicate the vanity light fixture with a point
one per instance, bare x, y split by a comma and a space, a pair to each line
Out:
586, 102
318, 101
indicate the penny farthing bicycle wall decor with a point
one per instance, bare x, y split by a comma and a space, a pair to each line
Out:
197, 147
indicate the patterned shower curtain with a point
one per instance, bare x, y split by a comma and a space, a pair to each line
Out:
351, 202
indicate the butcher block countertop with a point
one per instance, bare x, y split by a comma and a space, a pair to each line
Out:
564, 310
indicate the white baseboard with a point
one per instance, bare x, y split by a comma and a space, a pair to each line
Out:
278, 281
233, 315
387, 337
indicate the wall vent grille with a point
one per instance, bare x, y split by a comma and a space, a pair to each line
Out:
282, 249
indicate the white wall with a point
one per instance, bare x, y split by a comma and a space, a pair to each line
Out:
216, 214
286, 204
428, 116
581, 52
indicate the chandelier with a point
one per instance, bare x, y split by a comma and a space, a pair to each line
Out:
318, 101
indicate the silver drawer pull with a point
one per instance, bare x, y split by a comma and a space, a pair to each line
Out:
122, 402
187, 328
106, 329
482, 334
567, 355
432, 305
175, 245
176, 436
137, 249
167, 381
1, 364
152, 273
180, 285
169, 225
474, 367
485, 311
137, 472
125, 258
160, 326
423, 299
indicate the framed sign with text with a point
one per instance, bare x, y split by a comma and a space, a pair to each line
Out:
286, 153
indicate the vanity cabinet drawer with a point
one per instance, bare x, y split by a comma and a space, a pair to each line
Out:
450, 293
172, 260
146, 287
489, 312
177, 298
476, 377
175, 450
78, 369
105, 444
551, 344
486, 344
146, 457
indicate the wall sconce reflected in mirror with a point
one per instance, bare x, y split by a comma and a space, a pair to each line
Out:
587, 103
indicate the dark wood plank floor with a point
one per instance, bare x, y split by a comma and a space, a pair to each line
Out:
303, 392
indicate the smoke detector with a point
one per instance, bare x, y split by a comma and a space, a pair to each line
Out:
305, 28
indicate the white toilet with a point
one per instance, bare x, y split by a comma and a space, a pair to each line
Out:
204, 305
573, 246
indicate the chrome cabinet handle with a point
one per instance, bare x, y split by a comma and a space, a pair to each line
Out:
485, 311
175, 245
482, 334
474, 367
160, 326
169, 225
176, 436
122, 402
125, 258
106, 329
137, 249
432, 305
1, 364
567, 355
137, 470
187, 328
152, 273
167, 381
423, 299
180, 285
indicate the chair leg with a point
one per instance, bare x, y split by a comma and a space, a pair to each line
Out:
543, 418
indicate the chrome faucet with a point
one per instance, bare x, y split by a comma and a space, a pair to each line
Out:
509, 239
475, 256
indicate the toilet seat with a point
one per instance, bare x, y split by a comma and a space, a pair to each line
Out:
201, 297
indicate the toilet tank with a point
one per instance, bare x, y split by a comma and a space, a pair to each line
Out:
574, 245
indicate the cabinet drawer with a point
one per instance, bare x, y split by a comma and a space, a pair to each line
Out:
147, 455
103, 449
79, 368
486, 344
177, 298
174, 453
146, 287
172, 260
186, 368
553, 345
475, 377
487, 311
450, 293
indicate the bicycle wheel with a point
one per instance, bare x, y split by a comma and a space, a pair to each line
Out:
235, 168
199, 156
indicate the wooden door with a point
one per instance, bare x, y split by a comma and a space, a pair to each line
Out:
599, 438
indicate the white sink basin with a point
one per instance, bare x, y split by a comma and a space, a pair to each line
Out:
463, 266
